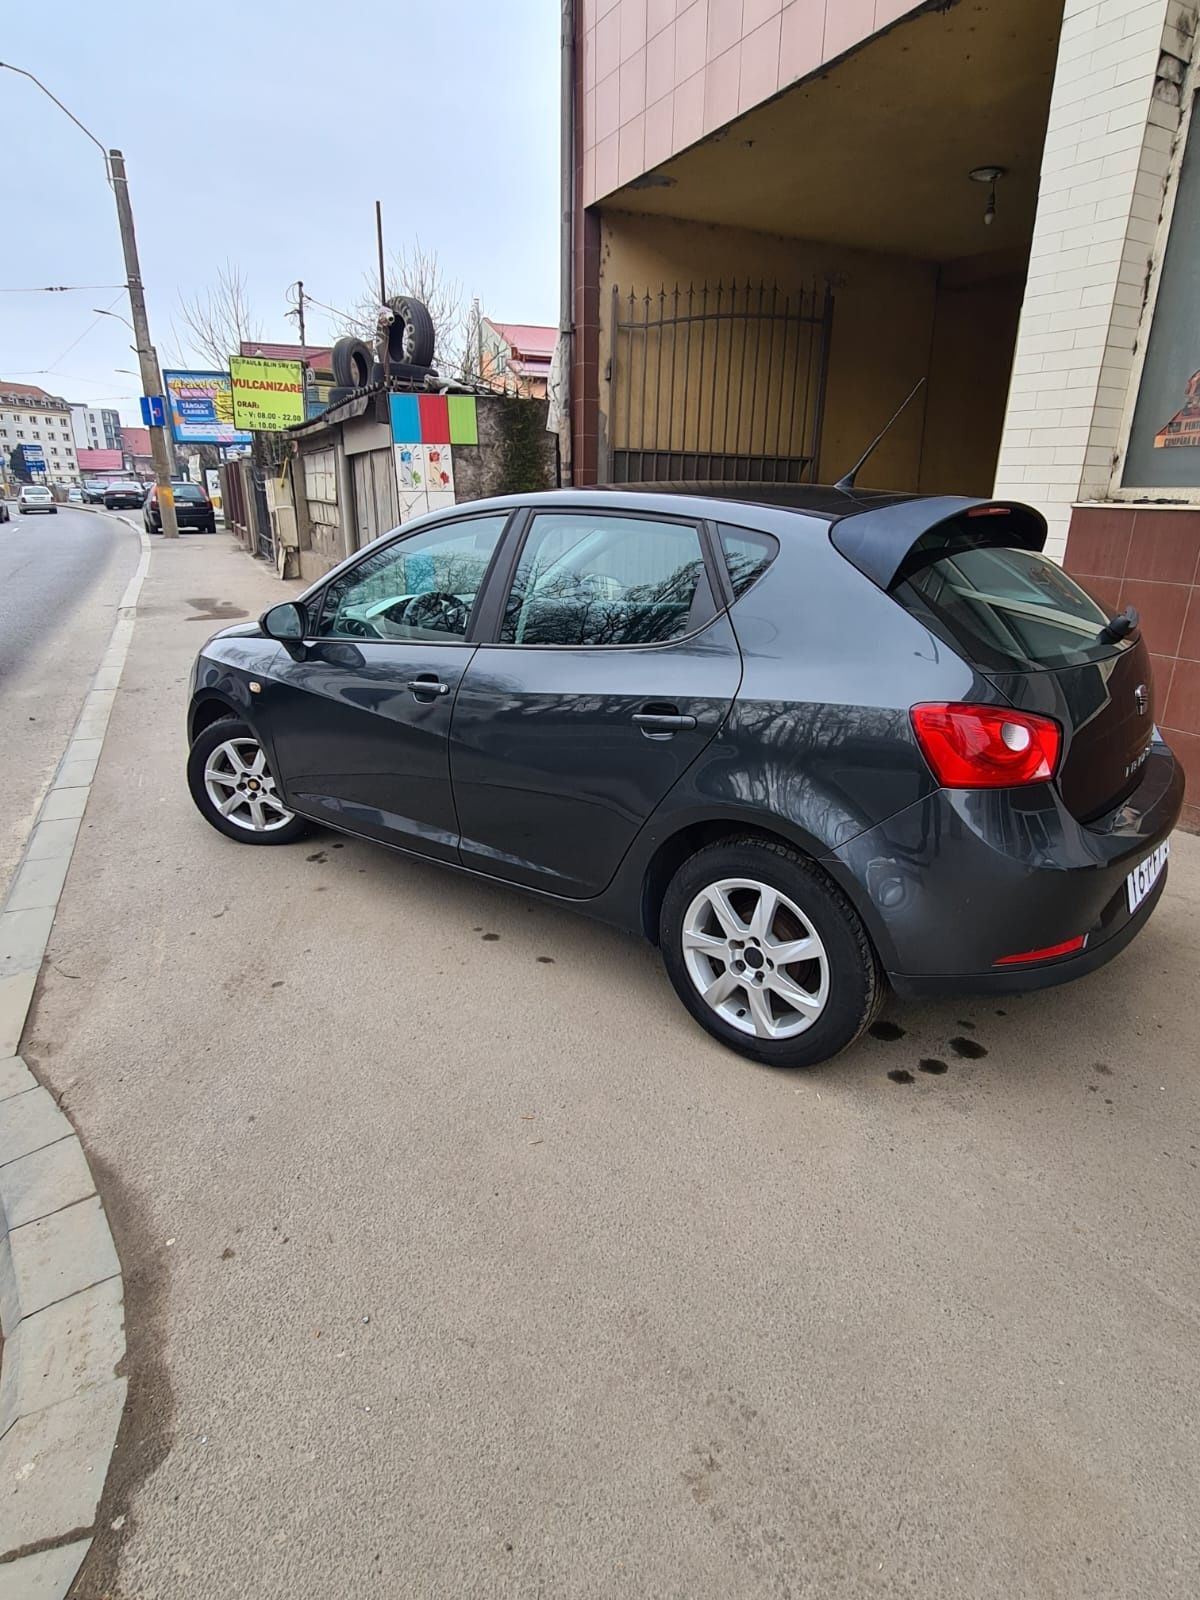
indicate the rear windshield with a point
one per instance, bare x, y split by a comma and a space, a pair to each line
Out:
188, 491
999, 607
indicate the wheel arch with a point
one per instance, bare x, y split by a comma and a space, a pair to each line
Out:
207, 708
669, 854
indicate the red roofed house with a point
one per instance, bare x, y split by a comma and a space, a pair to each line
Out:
138, 455
514, 357
319, 357
94, 463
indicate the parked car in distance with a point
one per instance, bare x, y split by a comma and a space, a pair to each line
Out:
123, 495
75, 495
36, 497
93, 491
811, 742
193, 509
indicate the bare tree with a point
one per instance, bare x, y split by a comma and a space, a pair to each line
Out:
418, 273
216, 322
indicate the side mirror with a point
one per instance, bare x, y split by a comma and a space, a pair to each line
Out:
286, 622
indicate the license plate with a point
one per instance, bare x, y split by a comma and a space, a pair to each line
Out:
1143, 878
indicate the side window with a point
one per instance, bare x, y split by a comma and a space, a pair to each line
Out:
419, 588
594, 579
747, 556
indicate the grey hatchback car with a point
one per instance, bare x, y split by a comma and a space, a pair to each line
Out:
811, 742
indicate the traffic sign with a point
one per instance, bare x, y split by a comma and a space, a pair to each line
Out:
154, 411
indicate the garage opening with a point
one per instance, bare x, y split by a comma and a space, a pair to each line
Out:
846, 209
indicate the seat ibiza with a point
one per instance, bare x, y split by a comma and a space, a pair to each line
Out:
811, 742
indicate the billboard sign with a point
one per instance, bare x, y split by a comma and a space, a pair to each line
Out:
201, 408
268, 395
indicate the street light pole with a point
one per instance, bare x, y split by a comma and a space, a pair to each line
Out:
147, 359
146, 354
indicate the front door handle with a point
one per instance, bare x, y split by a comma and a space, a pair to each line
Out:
430, 685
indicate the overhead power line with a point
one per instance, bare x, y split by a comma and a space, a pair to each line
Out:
64, 288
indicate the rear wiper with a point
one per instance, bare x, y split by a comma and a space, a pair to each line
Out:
1119, 627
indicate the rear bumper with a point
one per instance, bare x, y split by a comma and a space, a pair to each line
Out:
952, 884
1042, 975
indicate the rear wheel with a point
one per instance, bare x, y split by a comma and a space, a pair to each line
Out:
234, 788
768, 954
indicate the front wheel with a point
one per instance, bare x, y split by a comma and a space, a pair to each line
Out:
234, 789
768, 954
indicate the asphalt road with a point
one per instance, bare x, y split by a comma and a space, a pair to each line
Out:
460, 1262
60, 580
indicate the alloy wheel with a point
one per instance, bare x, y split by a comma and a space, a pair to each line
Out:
755, 958
240, 786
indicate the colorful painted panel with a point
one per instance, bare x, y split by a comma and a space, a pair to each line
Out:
439, 466
406, 422
464, 426
435, 419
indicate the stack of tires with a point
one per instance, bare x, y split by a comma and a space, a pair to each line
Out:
410, 339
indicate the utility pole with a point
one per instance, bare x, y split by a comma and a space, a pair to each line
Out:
146, 354
300, 313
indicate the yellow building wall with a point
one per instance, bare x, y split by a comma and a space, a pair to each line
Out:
883, 329
974, 335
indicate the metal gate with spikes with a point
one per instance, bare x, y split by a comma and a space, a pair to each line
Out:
723, 384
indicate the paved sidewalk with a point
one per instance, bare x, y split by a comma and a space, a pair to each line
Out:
459, 1262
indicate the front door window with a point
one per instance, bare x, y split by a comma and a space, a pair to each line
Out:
421, 589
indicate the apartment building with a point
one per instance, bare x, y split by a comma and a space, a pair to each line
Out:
28, 415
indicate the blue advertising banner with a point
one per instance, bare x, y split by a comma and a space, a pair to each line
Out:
201, 408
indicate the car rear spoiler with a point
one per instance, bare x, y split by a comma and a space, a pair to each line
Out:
879, 541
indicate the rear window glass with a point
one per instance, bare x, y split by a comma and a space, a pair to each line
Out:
187, 491
747, 556
1001, 608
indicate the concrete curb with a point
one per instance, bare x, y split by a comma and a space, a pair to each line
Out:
61, 1298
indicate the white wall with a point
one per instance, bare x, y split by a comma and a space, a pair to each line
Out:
1108, 151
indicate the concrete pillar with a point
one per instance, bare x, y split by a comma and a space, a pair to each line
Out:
1114, 114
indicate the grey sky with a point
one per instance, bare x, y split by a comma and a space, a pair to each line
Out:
264, 132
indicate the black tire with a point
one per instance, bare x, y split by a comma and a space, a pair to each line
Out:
351, 363
411, 337
856, 984
203, 746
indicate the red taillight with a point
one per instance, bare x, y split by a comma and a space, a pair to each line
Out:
1047, 953
986, 747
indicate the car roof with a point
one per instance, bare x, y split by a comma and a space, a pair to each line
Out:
825, 501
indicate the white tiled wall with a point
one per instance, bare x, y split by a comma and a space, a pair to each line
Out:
1108, 150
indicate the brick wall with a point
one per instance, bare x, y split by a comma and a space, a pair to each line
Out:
1104, 167
1130, 555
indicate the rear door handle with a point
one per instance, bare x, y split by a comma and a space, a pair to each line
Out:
662, 721
427, 686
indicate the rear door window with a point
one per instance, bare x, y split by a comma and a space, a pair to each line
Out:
1002, 608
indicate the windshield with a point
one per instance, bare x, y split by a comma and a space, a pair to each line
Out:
188, 491
36, 494
1003, 608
